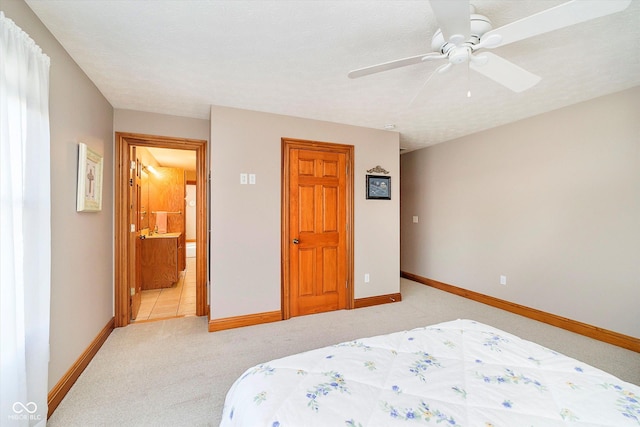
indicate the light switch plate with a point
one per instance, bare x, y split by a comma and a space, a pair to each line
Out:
252, 178
243, 178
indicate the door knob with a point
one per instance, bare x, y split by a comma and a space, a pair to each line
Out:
296, 241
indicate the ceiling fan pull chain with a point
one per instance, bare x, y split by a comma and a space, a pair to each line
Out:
468, 80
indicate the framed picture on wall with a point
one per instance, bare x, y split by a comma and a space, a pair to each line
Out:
378, 187
89, 180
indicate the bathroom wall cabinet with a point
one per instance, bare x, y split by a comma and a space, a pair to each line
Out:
167, 192
159, 260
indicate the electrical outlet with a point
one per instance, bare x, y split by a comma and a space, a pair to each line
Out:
415, 219
503, 280
366, 278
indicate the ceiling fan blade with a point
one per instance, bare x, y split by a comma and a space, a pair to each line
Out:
564, 15
453, 18
393, 64
504, 72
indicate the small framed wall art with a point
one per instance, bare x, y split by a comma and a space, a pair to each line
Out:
378, 187
89, 180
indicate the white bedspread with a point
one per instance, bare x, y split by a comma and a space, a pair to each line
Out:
459, 373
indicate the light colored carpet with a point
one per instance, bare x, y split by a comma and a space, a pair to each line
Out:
175, 373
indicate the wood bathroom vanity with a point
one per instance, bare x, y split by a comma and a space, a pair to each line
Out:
160, 260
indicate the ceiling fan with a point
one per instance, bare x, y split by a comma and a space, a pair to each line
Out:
462, 33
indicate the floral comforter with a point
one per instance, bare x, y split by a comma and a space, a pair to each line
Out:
459, 373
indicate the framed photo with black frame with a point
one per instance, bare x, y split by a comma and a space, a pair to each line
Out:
378, 187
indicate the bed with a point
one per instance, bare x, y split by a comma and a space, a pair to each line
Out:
458, 373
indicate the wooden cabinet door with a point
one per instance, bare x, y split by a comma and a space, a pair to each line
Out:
317, 231
159, 262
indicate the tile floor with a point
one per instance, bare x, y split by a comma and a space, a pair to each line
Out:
176, 301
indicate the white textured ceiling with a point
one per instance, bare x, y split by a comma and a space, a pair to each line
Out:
292, 57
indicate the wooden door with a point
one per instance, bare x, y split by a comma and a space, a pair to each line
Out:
318, 261
135, 246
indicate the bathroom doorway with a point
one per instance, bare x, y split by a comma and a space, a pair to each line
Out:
139, 159
166, 224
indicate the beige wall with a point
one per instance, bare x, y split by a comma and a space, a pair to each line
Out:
245, 219
81, 243
160, 124
552, 202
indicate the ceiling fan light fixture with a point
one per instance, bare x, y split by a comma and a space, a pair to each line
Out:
456, 39
459, 55
479, 25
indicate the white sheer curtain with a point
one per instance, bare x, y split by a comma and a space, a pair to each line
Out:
25, 227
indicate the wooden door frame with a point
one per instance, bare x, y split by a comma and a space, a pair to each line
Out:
348, 150
123, 142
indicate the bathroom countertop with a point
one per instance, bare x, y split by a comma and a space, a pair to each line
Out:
162, 235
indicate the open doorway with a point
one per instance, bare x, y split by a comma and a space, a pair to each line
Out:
136, 221
165, 219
